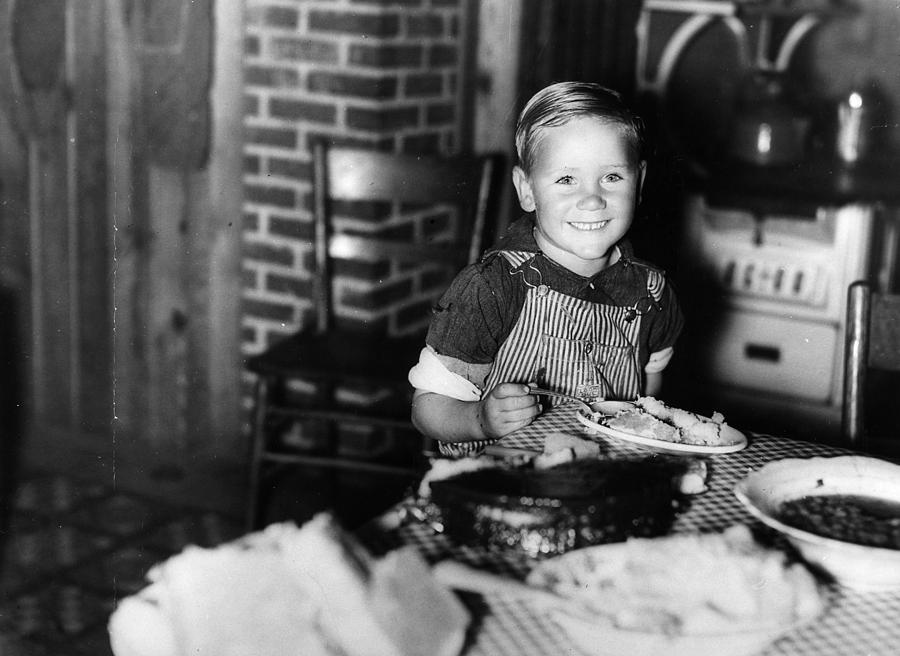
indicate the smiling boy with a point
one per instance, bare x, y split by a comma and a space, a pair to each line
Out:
561, 301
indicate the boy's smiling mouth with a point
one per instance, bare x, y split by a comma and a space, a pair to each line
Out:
588, 226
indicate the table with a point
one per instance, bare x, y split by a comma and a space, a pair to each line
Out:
854, 623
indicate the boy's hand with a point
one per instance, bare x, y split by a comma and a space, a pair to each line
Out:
507, 407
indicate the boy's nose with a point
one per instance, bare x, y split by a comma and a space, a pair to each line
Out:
591, 201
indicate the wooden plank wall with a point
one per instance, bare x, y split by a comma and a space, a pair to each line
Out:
120, 151
178, 262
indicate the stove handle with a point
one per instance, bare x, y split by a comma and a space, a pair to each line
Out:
764, 352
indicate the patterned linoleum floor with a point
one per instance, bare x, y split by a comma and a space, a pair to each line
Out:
75, 547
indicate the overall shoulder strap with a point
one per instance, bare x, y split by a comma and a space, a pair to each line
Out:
516, 258
656, 278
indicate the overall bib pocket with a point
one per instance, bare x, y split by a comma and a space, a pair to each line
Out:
588, 369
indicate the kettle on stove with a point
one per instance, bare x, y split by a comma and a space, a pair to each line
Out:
767, 128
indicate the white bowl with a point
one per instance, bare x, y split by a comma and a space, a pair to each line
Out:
856, 566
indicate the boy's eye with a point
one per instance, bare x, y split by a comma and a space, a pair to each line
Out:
612, 177
566, 180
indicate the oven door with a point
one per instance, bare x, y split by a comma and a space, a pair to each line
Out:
777, 355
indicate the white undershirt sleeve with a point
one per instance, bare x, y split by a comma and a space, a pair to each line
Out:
431, 375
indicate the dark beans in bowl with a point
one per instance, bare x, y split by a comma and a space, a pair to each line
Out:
868, 521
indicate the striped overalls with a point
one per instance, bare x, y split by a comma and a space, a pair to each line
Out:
568, 344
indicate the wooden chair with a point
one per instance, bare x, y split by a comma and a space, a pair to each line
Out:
872, 343
335, 353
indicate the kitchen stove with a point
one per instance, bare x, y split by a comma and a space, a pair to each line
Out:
764, 287
774, 295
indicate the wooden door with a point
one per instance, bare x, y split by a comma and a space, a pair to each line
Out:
120, 217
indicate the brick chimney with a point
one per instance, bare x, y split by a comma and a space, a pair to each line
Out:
387, 74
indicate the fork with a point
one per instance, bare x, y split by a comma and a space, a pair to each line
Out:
540, 391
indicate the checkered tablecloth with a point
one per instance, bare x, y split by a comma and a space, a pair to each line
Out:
854, 623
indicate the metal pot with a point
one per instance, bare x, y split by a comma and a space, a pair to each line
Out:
767, 128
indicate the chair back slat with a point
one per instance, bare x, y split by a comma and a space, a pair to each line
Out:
371, 175
369, 249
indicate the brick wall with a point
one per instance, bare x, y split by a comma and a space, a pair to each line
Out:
386, 74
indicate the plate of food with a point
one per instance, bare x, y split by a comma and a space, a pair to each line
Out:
650, 423
841, 513
691, 594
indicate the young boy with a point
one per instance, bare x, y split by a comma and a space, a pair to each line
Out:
560, 302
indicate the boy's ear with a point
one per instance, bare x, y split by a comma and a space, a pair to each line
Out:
523, 189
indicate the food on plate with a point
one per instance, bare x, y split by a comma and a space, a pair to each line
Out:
542, 512
548, 460
287, 590
559, 448
581, 447
849, 517
651, 418
693, 481
563, 447
442, 468
685, 584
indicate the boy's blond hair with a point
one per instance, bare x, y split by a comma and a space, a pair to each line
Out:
559, 103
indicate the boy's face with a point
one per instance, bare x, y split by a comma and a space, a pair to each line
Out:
584, 188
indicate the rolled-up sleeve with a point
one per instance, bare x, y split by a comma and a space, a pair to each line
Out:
430, 374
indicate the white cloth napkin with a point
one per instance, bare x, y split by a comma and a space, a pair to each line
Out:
312, 591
